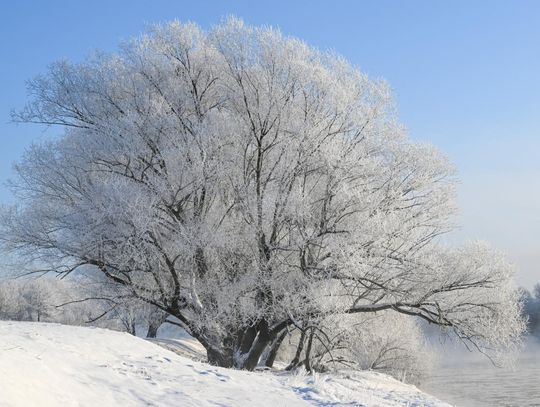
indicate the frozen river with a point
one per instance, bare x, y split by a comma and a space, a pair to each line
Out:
471, 381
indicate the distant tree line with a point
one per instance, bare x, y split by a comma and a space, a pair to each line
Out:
78, 303
531, 309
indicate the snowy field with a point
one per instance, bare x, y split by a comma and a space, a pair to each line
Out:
57, 365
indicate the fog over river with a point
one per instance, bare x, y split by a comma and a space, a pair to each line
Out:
470, 380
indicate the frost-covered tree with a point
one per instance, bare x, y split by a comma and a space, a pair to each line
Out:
114, 306
28, 300
134, 315
244, 183
385, 341
78, 302
39, 300
531, 309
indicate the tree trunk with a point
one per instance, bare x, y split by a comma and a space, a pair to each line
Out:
296, 359
152, 330
261, 342
274, 348
220, 358
241, 350
155, 323
307, 362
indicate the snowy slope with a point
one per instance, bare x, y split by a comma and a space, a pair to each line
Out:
56, 365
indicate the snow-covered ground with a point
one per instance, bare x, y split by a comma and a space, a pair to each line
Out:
57, 365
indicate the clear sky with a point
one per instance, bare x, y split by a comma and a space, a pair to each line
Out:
465, 76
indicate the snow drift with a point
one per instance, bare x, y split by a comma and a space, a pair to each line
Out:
56, 365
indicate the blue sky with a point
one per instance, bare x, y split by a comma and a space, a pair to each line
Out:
465, 75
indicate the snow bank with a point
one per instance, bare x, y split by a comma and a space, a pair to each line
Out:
57, 365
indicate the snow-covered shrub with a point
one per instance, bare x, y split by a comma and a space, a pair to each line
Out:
385, 341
